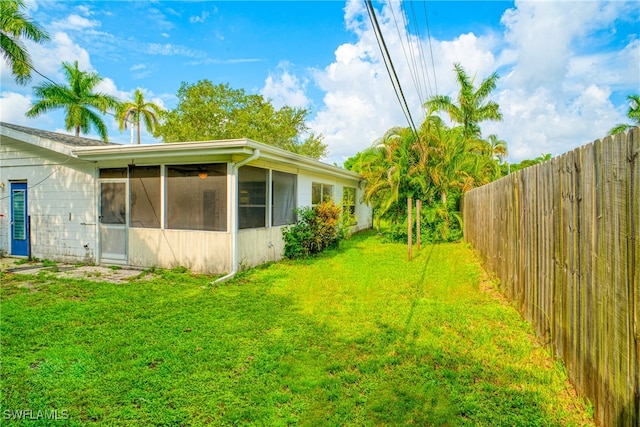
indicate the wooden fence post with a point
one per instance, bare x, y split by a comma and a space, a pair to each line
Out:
418, 214
409, 227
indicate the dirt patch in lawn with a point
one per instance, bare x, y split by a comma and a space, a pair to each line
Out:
98, 273
101, 273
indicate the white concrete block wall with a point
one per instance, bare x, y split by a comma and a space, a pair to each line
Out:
364, 213
61, 202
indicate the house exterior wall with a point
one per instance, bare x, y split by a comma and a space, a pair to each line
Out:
364, 213
61, 201
200, 251
259, 245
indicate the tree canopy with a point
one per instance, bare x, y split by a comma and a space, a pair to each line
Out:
633, 114
133, 111
15, 26
471, 106
77, 98
438, 163
206, 112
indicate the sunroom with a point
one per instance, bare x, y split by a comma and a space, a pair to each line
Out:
209, 206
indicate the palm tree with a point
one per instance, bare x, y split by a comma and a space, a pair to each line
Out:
450, 160
472, 106
543, 158
384, 167
131, 112
14, 26
498, 148
78, 99
633, 113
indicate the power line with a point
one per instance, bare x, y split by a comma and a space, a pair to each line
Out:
424, 68
410, 58
433, 65
389, 66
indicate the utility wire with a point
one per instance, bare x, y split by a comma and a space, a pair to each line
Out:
126, 118
389, 65
410, 57
423, 68
433, 65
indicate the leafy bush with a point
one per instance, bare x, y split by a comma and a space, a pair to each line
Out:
347, 220
317, 228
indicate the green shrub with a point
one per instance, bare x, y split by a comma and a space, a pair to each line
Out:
317, 228
347, 220
437, 225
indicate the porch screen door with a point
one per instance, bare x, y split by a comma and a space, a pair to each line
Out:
113, 221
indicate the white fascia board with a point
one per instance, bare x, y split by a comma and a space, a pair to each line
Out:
311, 165
233, 147
283, 156
36, 141
163, 150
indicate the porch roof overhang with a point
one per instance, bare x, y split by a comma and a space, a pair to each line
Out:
204, 151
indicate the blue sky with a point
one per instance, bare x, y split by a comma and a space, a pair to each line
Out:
565, 66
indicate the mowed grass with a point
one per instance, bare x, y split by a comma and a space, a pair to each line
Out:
358, 336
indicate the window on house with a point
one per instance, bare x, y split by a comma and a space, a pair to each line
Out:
321, 193
144, 196
252, 197
197, 197
349, 200
283, 207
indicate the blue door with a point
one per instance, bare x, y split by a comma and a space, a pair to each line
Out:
19, 219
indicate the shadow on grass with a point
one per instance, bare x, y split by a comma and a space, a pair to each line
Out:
174, 351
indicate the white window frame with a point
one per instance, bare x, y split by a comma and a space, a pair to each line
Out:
324, 190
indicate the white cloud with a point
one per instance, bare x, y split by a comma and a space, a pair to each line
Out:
284, 88
557, 94
208, 61
13, 106
47, 59
359, 102
168, 49
200, 18
618, 68
158, 19
139, 71
75, 22
557, 77
109, 87
32, 5
85, 10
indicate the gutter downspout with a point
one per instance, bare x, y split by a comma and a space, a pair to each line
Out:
234, 217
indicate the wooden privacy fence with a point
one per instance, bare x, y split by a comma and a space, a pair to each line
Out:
563, 238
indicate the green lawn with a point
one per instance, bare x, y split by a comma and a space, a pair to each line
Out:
358, 336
